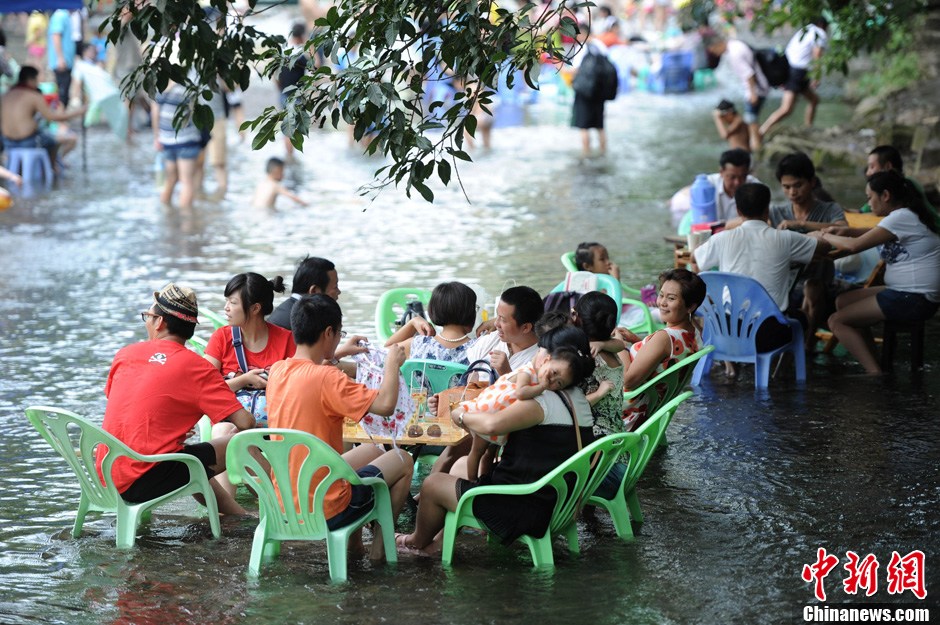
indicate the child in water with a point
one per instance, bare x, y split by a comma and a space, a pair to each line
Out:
523, 383
268, 189
731, 126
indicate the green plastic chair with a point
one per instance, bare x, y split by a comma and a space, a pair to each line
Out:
675, 379
284, 522
440, 375
198, 344
391, 306
65, 430
215, 319
575, 477
625, 505
567, 259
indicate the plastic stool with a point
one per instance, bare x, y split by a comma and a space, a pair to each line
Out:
30, 163
890, 335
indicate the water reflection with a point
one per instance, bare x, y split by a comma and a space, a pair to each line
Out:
747, 488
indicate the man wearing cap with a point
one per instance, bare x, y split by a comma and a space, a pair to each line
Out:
157, 391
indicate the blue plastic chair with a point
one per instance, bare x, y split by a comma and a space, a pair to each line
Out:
734, 307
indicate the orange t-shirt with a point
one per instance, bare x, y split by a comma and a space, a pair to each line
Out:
314, 398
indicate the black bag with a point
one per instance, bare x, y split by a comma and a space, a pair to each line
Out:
564, 301
413, 309
774, 65
596, 78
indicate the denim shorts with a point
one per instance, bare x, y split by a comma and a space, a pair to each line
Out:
363, 498
181, 152
752, 111
40, 139
610, 485
905, 306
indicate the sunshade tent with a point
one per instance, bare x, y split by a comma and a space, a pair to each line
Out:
17, 6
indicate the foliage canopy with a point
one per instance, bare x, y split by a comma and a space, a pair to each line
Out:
381, 55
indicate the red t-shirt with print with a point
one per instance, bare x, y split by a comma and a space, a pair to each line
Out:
157, 391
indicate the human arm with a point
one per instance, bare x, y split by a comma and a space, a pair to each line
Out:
612, 345
242, 419
155, 124
487, 326
808, 226
872, 238
656, 349
384, 402
282, 190
9, 175
55, 115
417, 325
518, 416
603, 389
353, 345
256, 378
526, 388
500, 362
59, 54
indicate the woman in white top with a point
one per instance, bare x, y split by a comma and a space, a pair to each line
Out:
911, 251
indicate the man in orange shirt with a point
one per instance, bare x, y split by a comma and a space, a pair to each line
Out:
304, 394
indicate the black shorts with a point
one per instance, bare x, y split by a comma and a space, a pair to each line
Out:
771, 334
588, 113
798, 80
165, 477
361, 501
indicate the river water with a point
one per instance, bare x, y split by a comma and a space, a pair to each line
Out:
749, 487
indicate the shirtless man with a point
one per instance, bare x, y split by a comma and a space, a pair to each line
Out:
20, 106
268, 189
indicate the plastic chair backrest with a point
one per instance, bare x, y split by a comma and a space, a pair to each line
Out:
216, 320
605, 282
75, 439
567, 259
734, 307
391, 306
438, 374
654, 428
198, 344
284, 501
589, 467
662, 388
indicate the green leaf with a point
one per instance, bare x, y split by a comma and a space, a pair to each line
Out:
470, 125
443, 171
423, 190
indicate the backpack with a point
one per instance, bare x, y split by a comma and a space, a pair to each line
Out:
561, 300
596, 78
774, 65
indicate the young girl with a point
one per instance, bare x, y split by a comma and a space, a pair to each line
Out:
680, 293
591, 256
526, 382
596, 314
452, 307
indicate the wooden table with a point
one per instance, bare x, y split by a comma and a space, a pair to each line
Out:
450, 433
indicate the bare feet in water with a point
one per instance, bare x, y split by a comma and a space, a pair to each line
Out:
405, 544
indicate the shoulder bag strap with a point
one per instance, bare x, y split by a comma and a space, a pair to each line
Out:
567, 402
239, 348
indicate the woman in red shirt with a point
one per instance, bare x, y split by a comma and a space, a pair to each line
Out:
249, 298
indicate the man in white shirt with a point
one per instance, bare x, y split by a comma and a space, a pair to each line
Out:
740, 57
756, 250
734, 170
514, 342
805, 47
